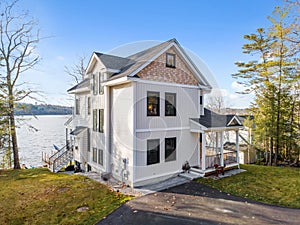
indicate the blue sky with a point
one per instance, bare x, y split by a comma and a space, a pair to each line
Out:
212, 29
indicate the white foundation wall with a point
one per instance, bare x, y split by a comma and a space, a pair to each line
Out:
122, 123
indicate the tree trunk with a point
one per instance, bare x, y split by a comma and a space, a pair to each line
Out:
13, 133
14, 139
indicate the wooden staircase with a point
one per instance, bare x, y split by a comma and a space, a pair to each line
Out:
59, 159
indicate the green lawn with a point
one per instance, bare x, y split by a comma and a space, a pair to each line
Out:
37, 196
273, 185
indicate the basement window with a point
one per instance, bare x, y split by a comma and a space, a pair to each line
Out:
153, 151
170, 149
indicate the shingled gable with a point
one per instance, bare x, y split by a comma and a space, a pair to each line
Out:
131, 65
211, 120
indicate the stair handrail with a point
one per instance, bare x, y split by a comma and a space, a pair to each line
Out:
66, 154
59, 152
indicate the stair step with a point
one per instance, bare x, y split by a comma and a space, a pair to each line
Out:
195, 170
191, 175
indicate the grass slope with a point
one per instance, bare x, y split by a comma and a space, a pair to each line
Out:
36, 196
273, 185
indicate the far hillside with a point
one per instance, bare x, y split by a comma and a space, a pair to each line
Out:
42, 109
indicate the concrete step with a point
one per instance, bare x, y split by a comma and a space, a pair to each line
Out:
191, 175
195, 170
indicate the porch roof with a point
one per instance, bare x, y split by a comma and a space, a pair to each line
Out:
83, 85
78, 130
211, 120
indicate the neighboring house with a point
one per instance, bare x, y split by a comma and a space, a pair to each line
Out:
142, 117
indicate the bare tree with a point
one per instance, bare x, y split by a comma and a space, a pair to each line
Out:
18, 40
78, 70
215, 102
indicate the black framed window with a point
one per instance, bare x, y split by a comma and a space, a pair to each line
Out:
77, 106
152, 103
153, 154
89, 105
170, 149
101, 88
95, 120
170, 60
100, 157
201, 100
101, 120
89, 139
95, 84
170, 104
94, 154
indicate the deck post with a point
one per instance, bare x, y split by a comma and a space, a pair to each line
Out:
237, 145
203, 166
221, 148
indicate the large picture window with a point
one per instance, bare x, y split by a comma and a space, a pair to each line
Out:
170, 104
100, 157
153, 151
101, 120
95, 120
170, 60
152, 103
170, 149
94, 154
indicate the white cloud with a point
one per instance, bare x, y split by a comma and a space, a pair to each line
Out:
237, 87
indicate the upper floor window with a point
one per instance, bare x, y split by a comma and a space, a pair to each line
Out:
77, 106
170, 104
152, 103
153, 151
89, 105
101, 88
101, 120
170, 149
95, 84
95, 120
170, 60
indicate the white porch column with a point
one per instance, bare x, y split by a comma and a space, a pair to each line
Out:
221, 148
203, 160
237, 146
217, 142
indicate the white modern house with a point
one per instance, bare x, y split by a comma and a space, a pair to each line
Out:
140, 118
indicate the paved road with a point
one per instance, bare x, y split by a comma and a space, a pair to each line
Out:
193, 203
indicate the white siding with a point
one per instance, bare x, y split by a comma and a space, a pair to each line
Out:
122, 131
186, 150
161, 127
186, 104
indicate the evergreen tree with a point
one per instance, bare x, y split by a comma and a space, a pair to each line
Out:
272, 76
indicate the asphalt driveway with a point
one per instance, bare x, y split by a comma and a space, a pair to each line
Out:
194, 203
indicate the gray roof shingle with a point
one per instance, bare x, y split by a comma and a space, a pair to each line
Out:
82, 84
213, 120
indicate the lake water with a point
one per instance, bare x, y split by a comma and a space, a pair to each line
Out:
37, 135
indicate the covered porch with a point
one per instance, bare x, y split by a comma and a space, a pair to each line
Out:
218, 140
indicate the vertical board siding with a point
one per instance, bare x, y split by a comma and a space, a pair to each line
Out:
186, 106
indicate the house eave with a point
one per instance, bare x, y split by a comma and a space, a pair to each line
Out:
79, 90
